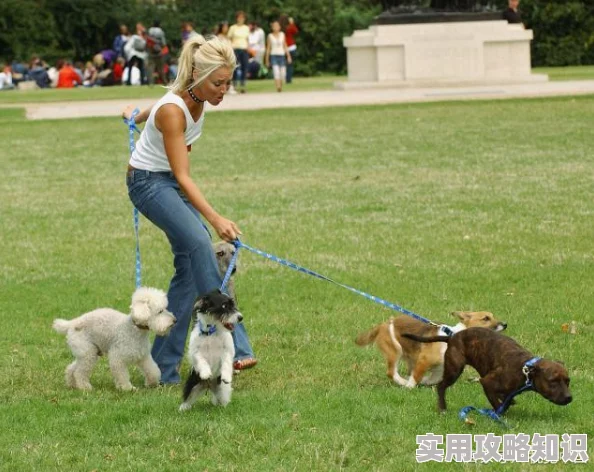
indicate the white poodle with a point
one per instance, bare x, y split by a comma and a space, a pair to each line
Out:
124, 339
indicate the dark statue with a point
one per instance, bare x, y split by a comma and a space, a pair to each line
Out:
446, 5
436, 11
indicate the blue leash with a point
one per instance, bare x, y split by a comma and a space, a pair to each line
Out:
238, 245
496, 414
131, 129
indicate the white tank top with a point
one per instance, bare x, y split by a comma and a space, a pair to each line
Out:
150, 149
277, 44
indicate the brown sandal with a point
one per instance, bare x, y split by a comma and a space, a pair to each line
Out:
244, 364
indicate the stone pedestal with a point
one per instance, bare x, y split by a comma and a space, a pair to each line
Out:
439, 54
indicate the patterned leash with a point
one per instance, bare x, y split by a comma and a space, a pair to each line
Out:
238, 245
132, 128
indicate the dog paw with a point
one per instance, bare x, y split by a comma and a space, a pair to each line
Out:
127, 388
185, 406
410, 384
205, 374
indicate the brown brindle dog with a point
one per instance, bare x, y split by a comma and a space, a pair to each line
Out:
499, 361
424, 361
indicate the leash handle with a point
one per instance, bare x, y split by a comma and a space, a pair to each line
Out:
131, 123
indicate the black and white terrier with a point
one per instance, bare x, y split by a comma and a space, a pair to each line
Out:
211, 350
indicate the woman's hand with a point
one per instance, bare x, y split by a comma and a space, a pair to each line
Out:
140, 118
226, 229
127, 113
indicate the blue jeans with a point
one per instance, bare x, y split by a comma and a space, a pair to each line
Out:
158, 197
240, 72
291, 65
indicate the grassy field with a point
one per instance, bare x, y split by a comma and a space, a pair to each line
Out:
437, 207
300, 84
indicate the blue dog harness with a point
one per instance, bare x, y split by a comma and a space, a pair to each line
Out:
527, 368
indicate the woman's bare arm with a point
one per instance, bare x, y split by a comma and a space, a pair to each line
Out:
170, 120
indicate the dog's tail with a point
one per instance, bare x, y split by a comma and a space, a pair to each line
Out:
61, 326
431, 339
193, 380
367, 338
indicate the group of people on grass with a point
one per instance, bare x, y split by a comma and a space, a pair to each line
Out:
144, 57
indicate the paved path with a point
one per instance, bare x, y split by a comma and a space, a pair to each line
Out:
258, 101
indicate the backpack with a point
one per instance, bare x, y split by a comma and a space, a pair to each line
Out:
153, 45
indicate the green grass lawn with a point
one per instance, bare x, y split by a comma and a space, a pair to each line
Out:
567, 73
437, 207
300, 84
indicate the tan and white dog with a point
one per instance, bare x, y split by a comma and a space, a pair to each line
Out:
424, 361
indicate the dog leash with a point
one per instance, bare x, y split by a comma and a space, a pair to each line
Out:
131, 123
238, 245
497, 414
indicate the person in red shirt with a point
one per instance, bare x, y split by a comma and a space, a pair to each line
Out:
118, 70
291, 31
68, 77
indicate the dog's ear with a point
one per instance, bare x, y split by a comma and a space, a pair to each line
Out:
203, 304
140, 310
461, 315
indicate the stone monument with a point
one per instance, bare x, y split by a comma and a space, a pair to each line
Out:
447, 43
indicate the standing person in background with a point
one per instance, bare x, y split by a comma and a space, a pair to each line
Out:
257, 42
155, 43
291, 31
160, 185
277, 55
136, 54
120, 41
222, 30
238, 35
187, 31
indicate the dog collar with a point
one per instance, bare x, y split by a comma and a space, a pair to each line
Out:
528, 368
139, 326
210, 329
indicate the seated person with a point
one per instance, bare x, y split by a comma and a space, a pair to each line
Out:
68, 77
118, 70
38, 73
5, 77
134, 72
89, 75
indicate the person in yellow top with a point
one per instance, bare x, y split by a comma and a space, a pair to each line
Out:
238, 35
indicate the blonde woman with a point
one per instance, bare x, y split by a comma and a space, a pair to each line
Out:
160, 186
239, 36
277, 55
